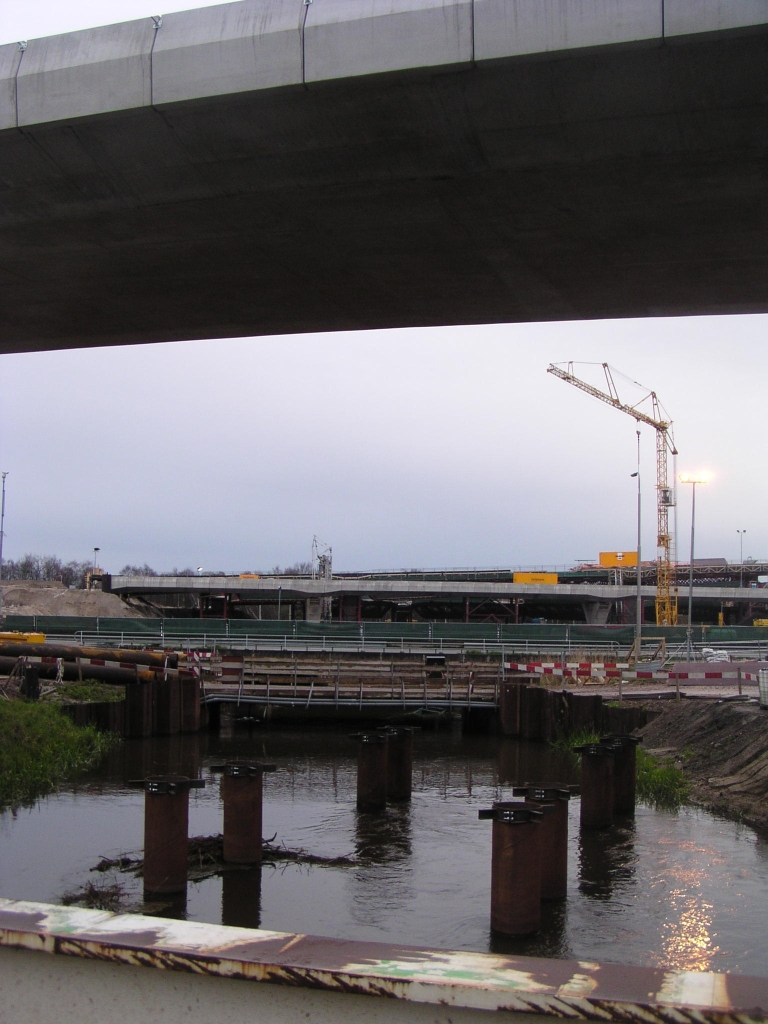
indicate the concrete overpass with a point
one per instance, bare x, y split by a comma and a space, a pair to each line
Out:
278, 166
593, 601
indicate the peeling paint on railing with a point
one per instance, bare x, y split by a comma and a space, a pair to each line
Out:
476, 981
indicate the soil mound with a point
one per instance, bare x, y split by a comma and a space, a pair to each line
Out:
34, 598
723, 747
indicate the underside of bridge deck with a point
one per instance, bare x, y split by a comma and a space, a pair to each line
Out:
624, 181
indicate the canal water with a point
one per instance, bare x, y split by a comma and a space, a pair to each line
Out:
678, 889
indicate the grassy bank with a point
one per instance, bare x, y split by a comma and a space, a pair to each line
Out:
39, 747
88, 690
659, 783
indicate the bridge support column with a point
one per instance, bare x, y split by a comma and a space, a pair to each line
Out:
596, 785
241, 792
515, 868
624, 772
166, 818
554, 836
399, 763
372, 771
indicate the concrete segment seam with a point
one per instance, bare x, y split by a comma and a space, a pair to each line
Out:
472, 29
22, 51
302, 34
157, 20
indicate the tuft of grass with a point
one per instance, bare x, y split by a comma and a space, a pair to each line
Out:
39, 747
574, 739
660, 783
89, 690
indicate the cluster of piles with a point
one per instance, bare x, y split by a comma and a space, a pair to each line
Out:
166, 822
529, 859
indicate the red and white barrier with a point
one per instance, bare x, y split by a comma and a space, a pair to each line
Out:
617, 670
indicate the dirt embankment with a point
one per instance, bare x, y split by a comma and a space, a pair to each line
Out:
56, 599
724, 752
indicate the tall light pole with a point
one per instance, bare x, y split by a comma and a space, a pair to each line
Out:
741, 556
639, 607
693, 479
2, 534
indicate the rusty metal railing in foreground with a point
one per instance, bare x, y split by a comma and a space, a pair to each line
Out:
65, 964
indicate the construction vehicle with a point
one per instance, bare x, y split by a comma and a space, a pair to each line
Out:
666, 601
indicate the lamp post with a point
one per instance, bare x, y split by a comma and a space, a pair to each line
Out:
2, 534
692, 479
639, 606
741, 556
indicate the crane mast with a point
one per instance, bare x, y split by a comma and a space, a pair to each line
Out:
666, 601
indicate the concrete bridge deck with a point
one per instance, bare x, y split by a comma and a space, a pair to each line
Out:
276, 166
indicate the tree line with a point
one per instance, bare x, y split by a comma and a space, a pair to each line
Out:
73, 574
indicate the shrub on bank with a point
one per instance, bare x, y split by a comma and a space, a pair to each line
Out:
39, 747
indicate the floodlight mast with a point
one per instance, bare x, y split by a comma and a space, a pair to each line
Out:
666, 601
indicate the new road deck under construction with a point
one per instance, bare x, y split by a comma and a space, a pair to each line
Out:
588, 597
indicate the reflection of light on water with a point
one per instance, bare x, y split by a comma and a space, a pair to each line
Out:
687, 942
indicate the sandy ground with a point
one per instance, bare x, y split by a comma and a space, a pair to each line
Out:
724, 753
56, 599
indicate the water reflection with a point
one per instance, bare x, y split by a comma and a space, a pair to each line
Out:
241, 898
550, 940
382, 885
521, 762
607, 860
384, 838
171, 905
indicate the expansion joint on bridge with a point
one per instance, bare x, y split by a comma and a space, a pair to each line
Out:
22, 51
157, 20
302, 37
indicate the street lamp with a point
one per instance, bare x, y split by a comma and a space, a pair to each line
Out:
639, 607
693, 479
741, 556
2, 534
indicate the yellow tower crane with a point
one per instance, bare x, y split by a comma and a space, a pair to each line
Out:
666, 602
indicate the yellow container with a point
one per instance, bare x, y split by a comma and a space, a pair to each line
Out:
534, 577
618, 559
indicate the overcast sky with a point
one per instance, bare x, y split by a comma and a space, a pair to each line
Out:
430, 447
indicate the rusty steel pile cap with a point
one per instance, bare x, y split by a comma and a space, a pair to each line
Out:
242, 768
542, 791
511, 812
169, 784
